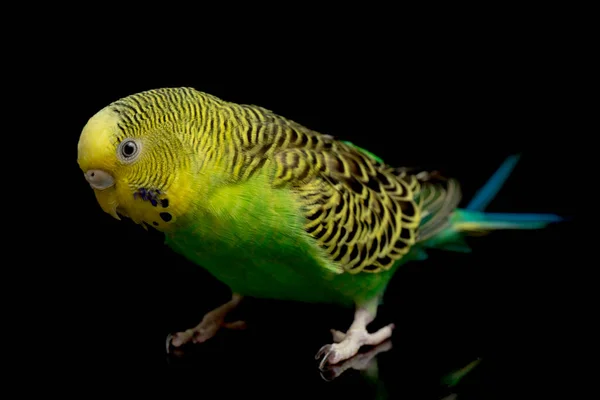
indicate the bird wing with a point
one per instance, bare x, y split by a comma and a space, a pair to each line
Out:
365, 214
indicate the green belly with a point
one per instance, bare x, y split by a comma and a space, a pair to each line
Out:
252, 239
278, 272
263, 271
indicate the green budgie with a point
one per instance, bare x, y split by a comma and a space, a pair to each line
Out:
274, 209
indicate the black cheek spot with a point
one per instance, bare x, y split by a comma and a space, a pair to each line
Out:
166, 216
153, 202
154, 223
164, 203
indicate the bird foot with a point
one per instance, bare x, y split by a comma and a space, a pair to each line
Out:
208, 327
360, 362
346, 345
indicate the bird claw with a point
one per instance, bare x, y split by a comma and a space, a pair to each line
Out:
325, 351
348, 344
211, 323
360, 362
171, 350
204, 331
168, 342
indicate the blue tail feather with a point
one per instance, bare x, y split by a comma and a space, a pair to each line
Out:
467, 220
473, 212
522, 218
474, 220
487, 192
514, 217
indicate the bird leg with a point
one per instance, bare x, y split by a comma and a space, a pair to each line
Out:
210, 324
346, 345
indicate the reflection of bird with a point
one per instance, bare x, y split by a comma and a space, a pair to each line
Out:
451, 396
272, 208
454, 377
365, 362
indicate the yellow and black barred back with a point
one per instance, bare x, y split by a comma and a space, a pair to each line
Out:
365, 214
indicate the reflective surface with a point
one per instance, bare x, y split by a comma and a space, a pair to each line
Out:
276, 352
362, 373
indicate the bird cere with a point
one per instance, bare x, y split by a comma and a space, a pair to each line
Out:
274, 209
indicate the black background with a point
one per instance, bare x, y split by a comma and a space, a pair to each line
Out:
461, 107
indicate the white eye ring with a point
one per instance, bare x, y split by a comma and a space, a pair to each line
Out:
128, 150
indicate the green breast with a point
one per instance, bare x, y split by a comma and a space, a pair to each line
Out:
252, 239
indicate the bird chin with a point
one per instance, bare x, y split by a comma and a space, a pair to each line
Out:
121, 211
107, 199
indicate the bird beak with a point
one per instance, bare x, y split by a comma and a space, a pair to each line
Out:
107, 199
99, 179
103, 184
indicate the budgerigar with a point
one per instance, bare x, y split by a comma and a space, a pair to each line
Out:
274, 209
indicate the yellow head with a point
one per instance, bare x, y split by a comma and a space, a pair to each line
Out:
135, 156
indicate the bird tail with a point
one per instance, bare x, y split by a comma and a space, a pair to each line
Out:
473, 220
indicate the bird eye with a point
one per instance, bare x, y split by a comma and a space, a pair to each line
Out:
128, 150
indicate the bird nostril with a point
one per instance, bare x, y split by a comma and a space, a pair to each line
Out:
99, 179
